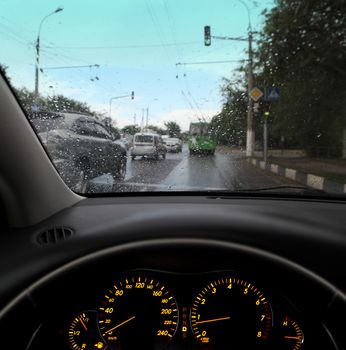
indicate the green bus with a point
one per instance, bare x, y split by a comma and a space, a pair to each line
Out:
200, 139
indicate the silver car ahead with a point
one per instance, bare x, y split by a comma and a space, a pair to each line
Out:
148, 145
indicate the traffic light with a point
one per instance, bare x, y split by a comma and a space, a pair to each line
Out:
132, 95
266, 108
207, 36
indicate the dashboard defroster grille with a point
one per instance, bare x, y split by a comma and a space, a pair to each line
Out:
54, 235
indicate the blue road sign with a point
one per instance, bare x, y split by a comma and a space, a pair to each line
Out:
35, 107
273, 94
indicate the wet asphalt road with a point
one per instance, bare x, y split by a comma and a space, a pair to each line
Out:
183, 172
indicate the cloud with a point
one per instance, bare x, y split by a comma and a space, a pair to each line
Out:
101, 108
124, 116
121, 115
184, 117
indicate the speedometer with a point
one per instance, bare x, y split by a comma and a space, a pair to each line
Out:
231, 313
138, 312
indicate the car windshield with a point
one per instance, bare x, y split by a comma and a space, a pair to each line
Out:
143, 139
255, 91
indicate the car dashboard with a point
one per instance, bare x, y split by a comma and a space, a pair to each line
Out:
153, 309
180, 273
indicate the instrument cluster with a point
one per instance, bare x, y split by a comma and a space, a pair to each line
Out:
165, 310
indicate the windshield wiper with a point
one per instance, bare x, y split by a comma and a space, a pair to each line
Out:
281, 187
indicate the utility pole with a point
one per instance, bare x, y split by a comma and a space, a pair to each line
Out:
37, 66
147, 117
142, 122
250, 135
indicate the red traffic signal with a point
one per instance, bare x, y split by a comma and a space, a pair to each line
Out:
132, 95
207, 36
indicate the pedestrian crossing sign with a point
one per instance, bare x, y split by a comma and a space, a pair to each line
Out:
273, 94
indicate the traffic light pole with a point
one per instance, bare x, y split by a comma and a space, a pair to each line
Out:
132, 95
250, 134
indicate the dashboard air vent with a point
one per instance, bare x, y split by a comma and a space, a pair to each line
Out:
54, 235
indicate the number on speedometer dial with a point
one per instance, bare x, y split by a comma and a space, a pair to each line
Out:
138, 312
230, 313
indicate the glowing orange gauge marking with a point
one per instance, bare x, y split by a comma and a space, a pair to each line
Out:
120, 324
214, 320
83, 324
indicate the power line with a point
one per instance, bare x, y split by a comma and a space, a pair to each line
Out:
66, 67
157, 26
19, 26
14, 32
135, 46
159, 31
70, 58
207, 62
190, 94
67, 59
194, 103
172, 28
12, 35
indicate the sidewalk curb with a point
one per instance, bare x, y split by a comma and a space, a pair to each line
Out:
310, 180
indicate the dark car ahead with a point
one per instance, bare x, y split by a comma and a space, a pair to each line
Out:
80, 147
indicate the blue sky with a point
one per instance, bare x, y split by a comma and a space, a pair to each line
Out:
137, 44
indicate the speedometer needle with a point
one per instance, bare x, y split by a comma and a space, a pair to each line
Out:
214, 320
120, 324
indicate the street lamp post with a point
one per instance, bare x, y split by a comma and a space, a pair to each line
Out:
37, 68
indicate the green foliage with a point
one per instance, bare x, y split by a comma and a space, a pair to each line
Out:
173, 129
184, 136
156, 129
3, 70
108, 123
131, 129
302, 50
57, 103
229, 126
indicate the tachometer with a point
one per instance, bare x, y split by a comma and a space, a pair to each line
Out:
138, 312
231, 313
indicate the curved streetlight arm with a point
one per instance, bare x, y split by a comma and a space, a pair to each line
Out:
248, 14
38, 49
44, 18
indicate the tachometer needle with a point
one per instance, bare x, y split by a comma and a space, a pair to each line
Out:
83, 324
288, 337
214, 320
120, 324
